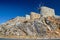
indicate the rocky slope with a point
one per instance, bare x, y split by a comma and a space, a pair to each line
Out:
42, 27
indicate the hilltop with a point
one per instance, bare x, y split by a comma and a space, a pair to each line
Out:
43, 25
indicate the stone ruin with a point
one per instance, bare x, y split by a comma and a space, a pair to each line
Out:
45, 11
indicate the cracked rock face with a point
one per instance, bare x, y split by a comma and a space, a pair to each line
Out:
38, 27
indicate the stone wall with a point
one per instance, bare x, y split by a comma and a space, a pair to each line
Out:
34, 15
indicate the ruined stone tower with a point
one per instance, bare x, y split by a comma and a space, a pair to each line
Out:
46, 11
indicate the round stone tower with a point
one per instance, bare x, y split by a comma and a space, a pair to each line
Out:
46, 11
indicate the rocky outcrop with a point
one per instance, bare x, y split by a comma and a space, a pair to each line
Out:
38, 27
41, 26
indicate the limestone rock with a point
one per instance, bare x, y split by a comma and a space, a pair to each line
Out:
42, 25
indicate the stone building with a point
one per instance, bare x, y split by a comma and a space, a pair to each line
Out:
46, 11
34, 16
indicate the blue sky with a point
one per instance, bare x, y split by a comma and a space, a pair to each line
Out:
12, 8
